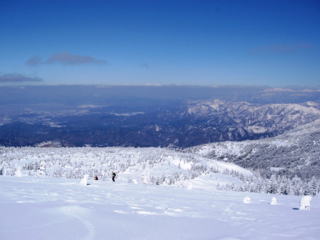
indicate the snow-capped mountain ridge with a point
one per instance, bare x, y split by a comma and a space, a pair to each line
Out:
257, 118
294, 152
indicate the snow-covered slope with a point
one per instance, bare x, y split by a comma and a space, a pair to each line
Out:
41, 208
137, 165
295, 152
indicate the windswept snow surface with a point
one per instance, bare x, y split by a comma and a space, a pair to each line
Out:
158, 194
41, 208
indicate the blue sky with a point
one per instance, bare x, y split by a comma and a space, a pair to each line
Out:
201, 42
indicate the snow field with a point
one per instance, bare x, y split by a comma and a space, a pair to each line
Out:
57, 208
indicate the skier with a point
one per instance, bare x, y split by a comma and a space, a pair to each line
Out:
114, 176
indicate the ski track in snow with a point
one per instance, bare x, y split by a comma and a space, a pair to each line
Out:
80, 214
56, 208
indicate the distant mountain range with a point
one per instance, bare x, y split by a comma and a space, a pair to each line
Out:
188, 124
144, 116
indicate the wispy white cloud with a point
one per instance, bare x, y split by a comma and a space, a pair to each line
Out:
64, 58
18, 78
